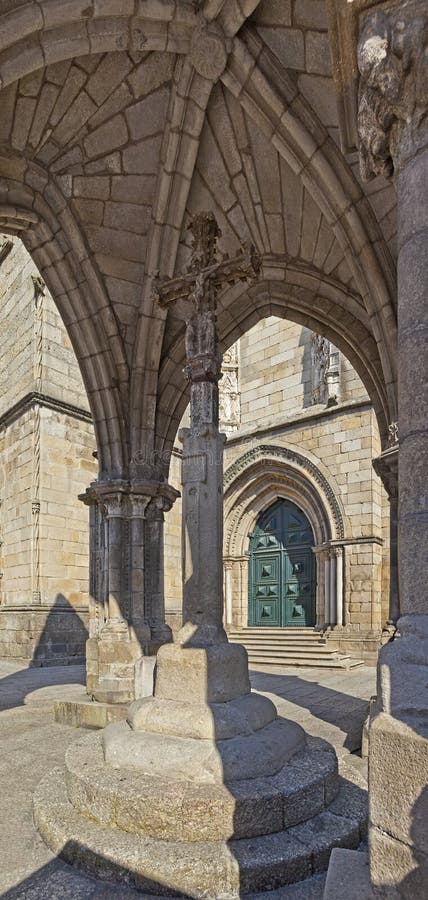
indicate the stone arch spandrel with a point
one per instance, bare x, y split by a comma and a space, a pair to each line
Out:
53, 239
301, 296
267, 471
272, 100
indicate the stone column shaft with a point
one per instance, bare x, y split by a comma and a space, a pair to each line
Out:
386, 466
333, 610
327, 588
412, 199
393, 128
228, 591
202, 479
154, 563
339, 585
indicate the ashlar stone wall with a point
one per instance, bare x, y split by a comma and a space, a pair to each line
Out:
276, 376
46, 446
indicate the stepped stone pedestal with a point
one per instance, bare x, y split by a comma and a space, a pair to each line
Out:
202, 792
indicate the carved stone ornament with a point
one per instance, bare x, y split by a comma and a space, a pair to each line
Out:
392, 434
208, 52
393, 92
39, 287
285, 454
320, 353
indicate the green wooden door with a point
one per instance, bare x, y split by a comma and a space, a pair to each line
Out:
282, 580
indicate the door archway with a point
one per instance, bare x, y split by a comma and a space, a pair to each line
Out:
282, 570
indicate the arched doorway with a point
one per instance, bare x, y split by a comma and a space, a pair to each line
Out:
282, 574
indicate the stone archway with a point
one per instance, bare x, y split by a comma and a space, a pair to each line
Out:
255, 481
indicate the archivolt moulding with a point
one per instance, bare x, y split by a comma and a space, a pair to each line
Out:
289, 470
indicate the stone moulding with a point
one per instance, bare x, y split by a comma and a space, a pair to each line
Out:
47, 402
285, 454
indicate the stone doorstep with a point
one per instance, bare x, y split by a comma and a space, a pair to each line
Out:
348, 876
88, 713
199, 869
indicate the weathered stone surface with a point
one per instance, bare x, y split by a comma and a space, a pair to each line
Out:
187, 811
261, 753
87, 713
399, 756
242, 866
348, 876
397, 869
213, 674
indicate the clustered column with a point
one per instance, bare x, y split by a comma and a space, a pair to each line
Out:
126, 584
330, 559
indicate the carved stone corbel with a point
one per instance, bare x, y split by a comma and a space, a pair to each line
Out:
393, 91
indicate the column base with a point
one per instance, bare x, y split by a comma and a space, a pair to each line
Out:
110, 663
398, 765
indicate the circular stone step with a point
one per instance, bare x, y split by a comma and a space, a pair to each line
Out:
183, 811
199, 869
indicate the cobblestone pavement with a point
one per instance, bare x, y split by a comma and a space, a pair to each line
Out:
329, 704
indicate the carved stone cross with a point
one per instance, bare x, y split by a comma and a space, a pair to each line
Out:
195, 294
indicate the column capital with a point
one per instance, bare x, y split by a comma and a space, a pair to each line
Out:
322, 551
129, 499
393, 89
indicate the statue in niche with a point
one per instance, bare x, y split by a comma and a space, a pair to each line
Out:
229, 396
320, 353
325, 371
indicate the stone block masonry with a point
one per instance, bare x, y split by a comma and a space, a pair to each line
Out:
46, 447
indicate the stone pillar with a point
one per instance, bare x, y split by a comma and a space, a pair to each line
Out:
154, 563
242, 563
393, 128
333, 610
122, 631
386, 466
338, 594
319, 553
228, 590
327, 587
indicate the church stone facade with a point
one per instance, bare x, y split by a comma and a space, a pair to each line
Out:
46, 446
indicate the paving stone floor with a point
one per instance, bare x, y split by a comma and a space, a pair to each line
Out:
329, 704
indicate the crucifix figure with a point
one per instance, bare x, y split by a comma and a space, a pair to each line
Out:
194, 296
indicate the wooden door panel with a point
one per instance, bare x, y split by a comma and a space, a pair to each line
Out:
299, 587
282, 568
265, 599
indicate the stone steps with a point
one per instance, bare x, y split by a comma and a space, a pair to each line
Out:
238, 867
180, 810
290, 647
201, 839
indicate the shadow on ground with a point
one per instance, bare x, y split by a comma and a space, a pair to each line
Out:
337, 708
59, 881
41, 685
